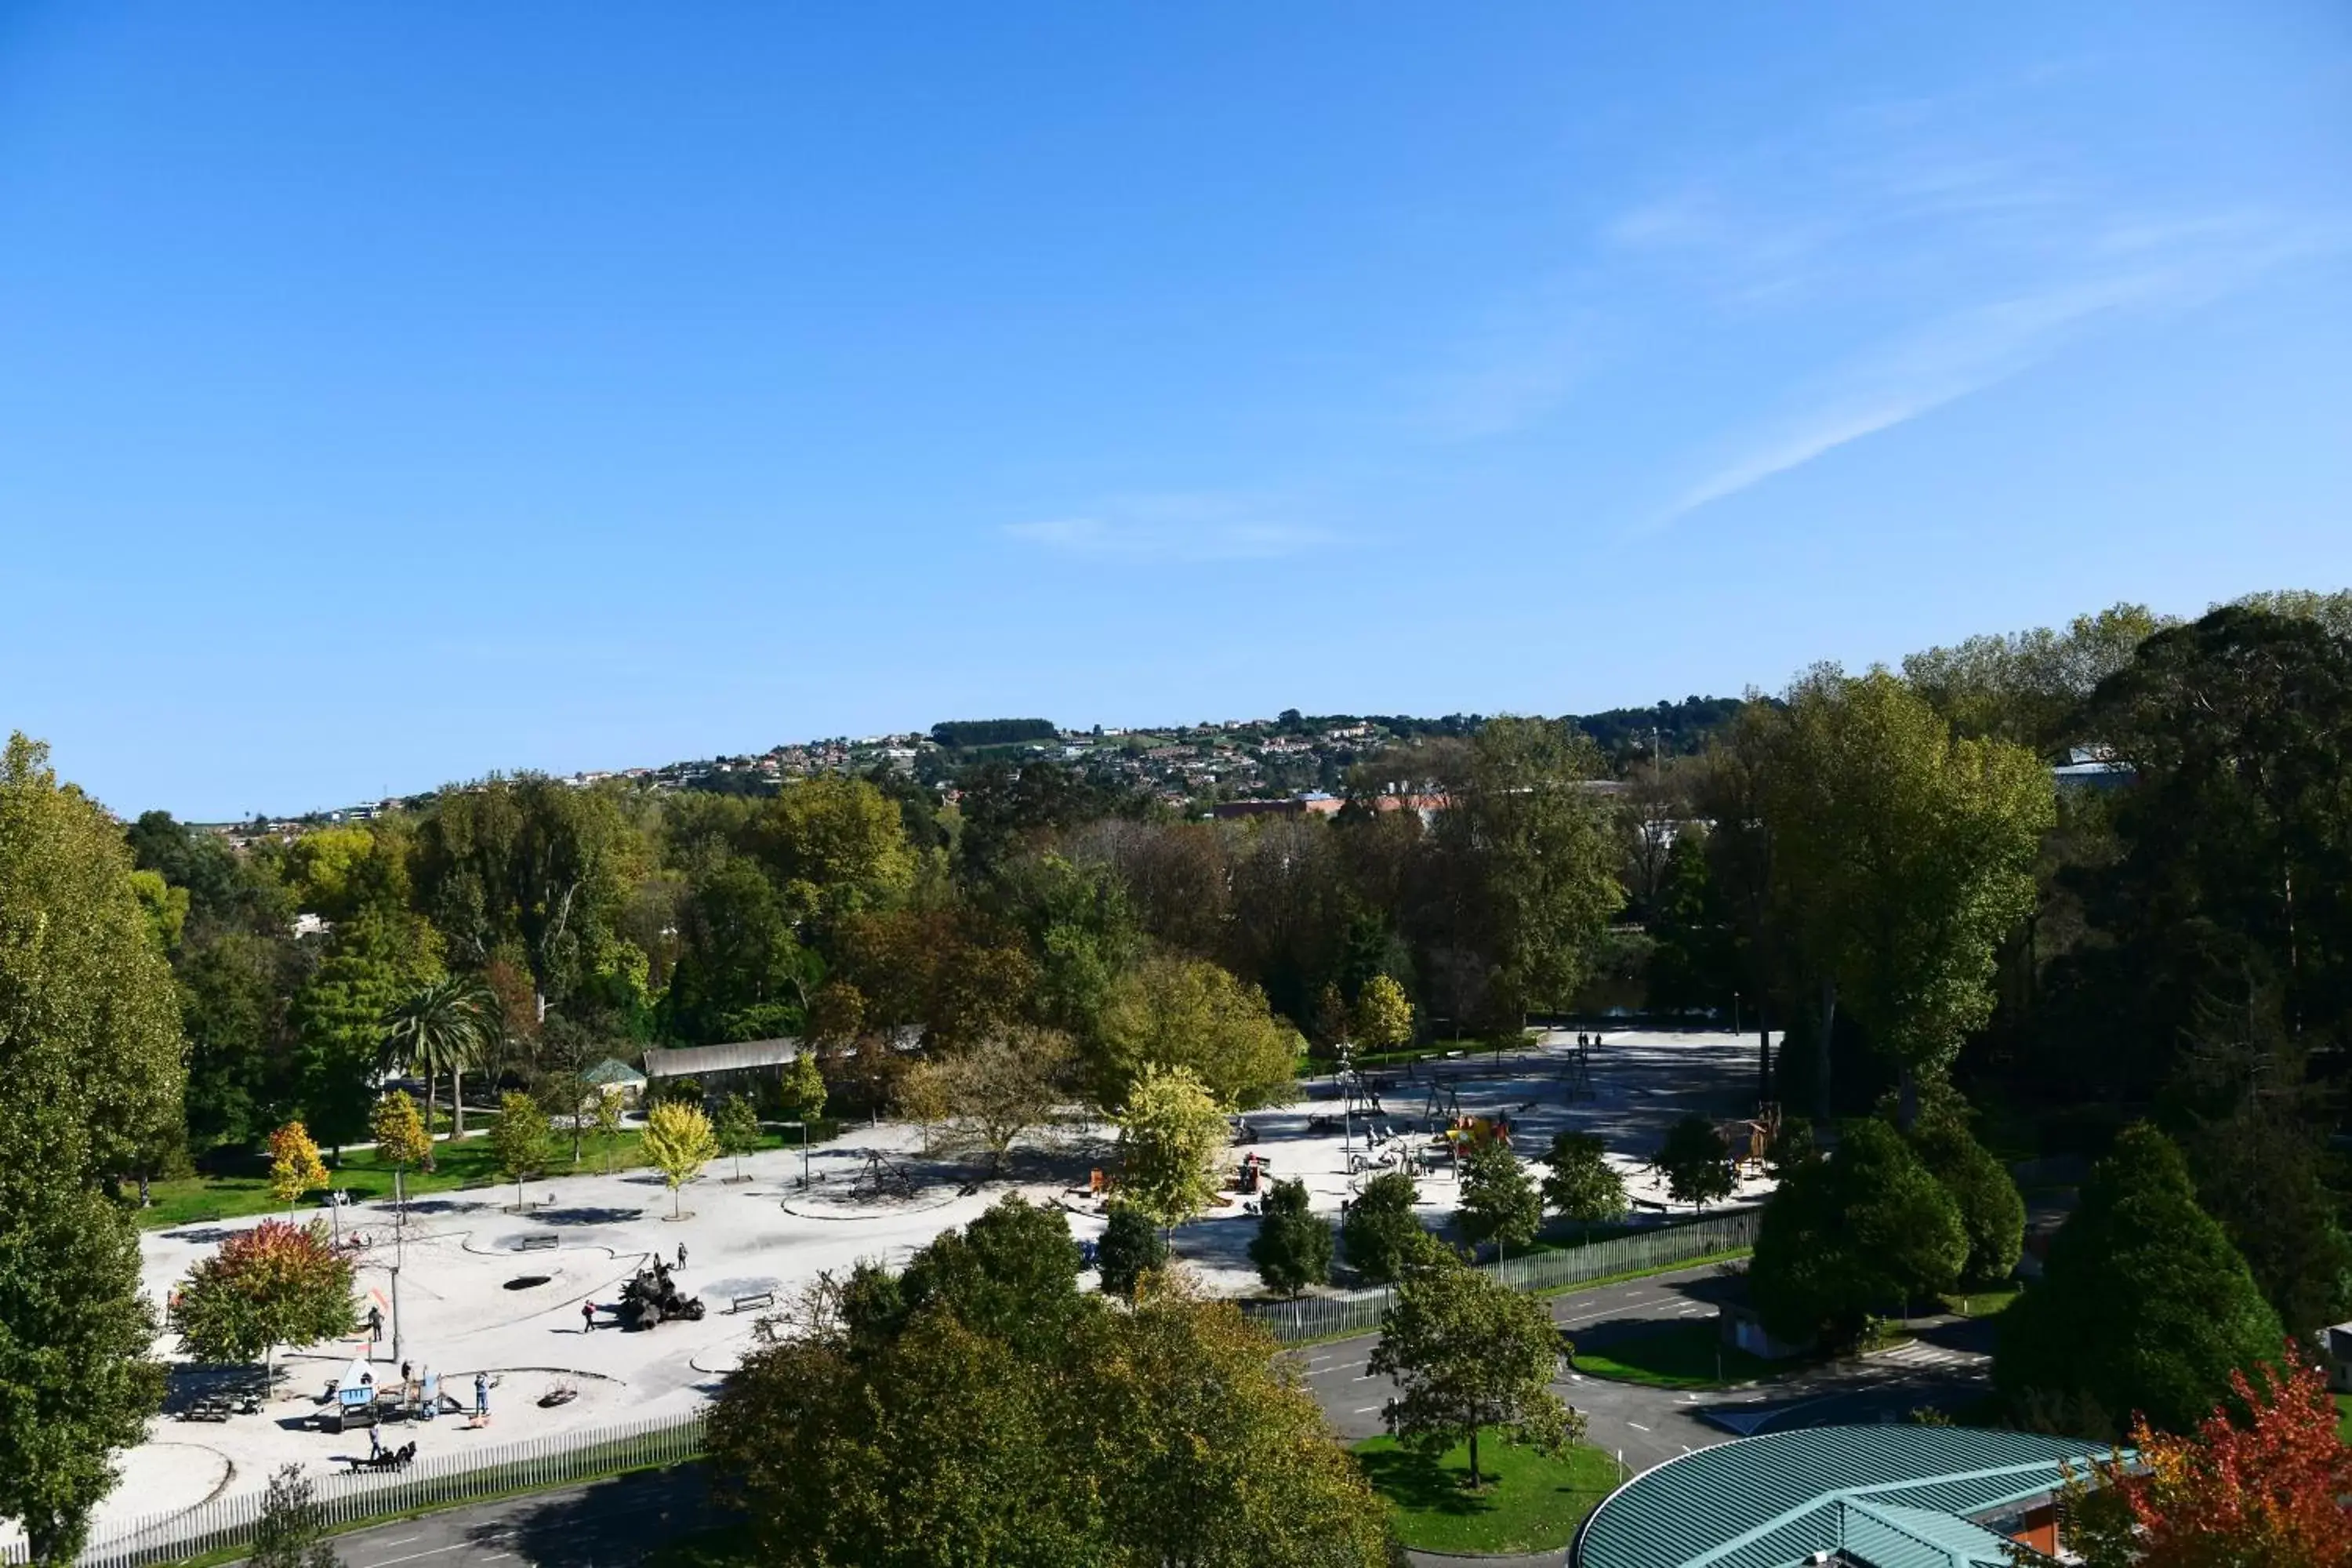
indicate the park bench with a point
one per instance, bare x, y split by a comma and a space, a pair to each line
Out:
539, 1242
755, 1299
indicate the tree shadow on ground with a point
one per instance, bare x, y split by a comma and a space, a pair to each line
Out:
588, 1214
605, 1523
1419, 1482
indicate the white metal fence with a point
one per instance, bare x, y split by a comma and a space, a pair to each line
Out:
227, 1523
1359, 1311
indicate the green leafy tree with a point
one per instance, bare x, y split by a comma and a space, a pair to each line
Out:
1012, 1274
444, 1026
1906, 855
1859, 1233
1381, 1233
831, 845
276, 1284
522, 1140
531, 867
1205, 1452
1498, 1203
805, 1090
2029, 687
1002, 1087
1992, 1211
1580, 1183
1130, 1249
2144, 1306
736, 1129
1292, 1249
400, 1137
1384, 1015
1469, 1353
77, 1380
606, 1108
1172, 1137
742, 971
979, 1399
90, 1074
1695, 1162
293, 1529
234, 985
374, 959
1188, 1014
1527, 868
679, 1141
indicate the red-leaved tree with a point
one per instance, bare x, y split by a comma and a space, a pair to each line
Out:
276, 1284
2263, 1489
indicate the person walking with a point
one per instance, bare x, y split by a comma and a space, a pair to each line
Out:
375, 1441
481, 1397
681, 1255
587, 1317
375, 1324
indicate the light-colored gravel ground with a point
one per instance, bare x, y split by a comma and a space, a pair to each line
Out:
462, 1249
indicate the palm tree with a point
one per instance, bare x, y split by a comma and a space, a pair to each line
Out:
445, 1025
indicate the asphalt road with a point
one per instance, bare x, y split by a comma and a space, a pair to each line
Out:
603, 1524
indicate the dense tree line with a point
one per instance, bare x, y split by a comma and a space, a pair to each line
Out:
1026, 903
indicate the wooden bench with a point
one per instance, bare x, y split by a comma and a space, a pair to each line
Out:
756, 1298
539, 1244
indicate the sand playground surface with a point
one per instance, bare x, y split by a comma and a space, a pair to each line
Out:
486, 1288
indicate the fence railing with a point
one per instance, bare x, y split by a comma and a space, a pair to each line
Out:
1359, 1311
227, 1523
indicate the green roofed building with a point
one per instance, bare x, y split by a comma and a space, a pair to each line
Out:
1841, 1497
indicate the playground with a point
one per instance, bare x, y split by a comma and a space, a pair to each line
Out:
484, 1290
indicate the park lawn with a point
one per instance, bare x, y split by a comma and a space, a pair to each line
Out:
1678, 1355
2342, 1417
460, 1164
1983, 1303
1530, 1503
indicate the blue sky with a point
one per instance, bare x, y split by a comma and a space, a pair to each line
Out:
389, 395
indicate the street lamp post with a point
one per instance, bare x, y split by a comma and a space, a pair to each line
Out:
804, 1152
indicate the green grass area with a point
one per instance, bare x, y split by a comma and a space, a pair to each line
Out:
1529, 1503
1983, 1303
1689, 1354
460, 1163
2343, 1417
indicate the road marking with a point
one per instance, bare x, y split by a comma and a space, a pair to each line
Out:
402, 1541
1368, 1409
1637, 1425
435, 1552
1366, 1376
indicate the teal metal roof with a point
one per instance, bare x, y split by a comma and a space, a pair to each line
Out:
1769, 1502
611, 1069
1888, 1537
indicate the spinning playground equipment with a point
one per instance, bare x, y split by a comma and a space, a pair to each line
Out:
881, 1178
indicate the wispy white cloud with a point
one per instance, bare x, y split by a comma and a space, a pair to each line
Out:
2149, 266
1898, 256
1175, 528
